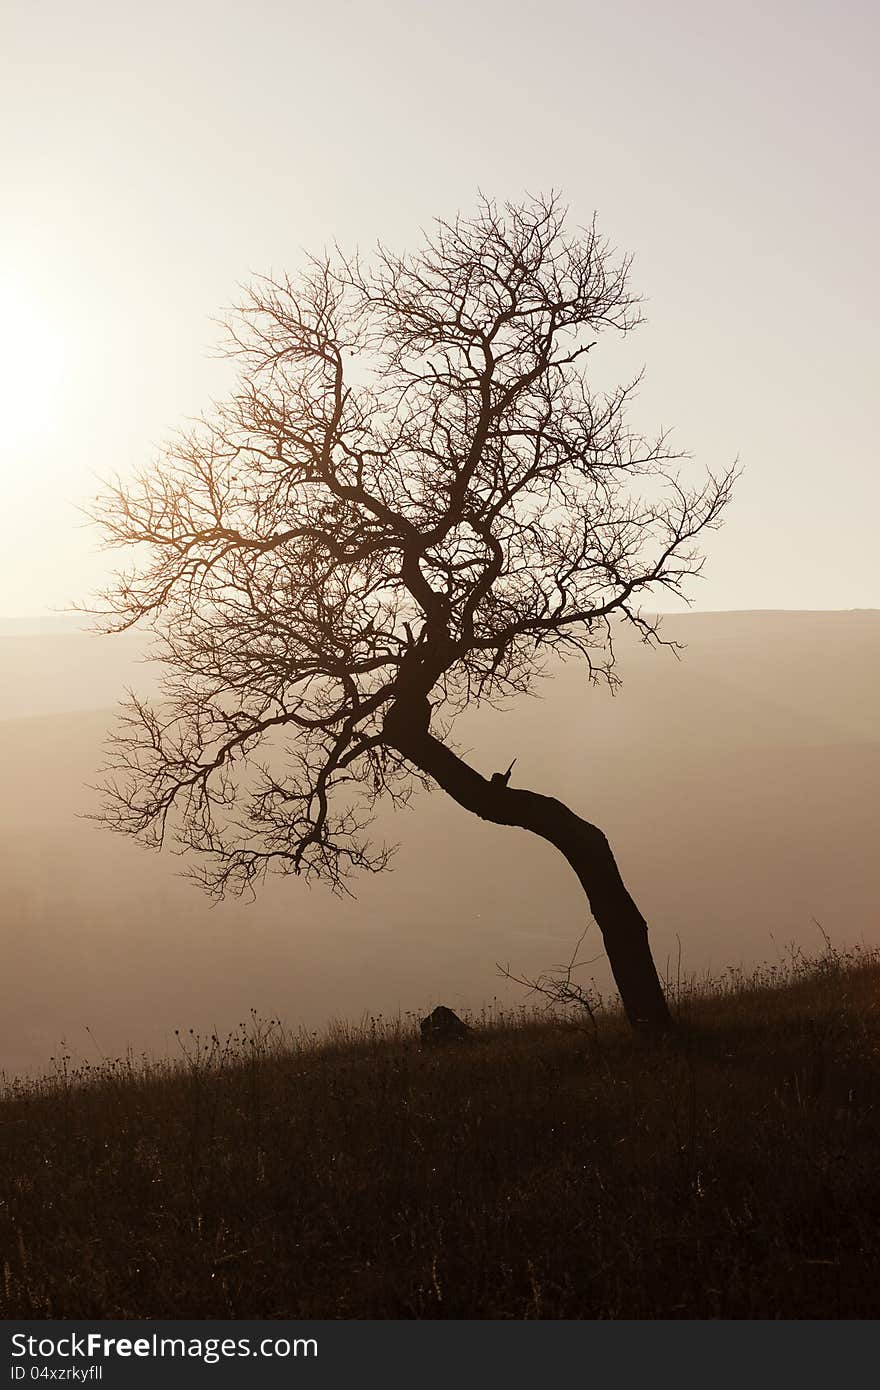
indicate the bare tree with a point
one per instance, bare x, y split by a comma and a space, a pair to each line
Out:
561, 991
409, 502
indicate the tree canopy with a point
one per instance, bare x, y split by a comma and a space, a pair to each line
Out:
412, 498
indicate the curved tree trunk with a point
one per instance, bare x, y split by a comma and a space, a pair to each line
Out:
624, 931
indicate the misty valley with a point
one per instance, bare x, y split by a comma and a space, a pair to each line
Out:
737, 785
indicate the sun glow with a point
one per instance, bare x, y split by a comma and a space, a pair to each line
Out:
32, 368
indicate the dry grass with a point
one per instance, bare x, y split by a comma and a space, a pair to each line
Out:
542, 1171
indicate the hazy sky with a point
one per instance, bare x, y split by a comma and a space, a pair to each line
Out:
156, 155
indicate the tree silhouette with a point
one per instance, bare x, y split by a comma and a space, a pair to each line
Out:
411, 499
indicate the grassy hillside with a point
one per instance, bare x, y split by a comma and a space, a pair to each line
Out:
540, 1170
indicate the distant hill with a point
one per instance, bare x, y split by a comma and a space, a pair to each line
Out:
65, 669
41, 625
738, 786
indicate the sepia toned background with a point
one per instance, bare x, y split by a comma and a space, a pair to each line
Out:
152, 162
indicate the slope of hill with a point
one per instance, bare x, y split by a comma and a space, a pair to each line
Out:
535, 1170
738, 787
